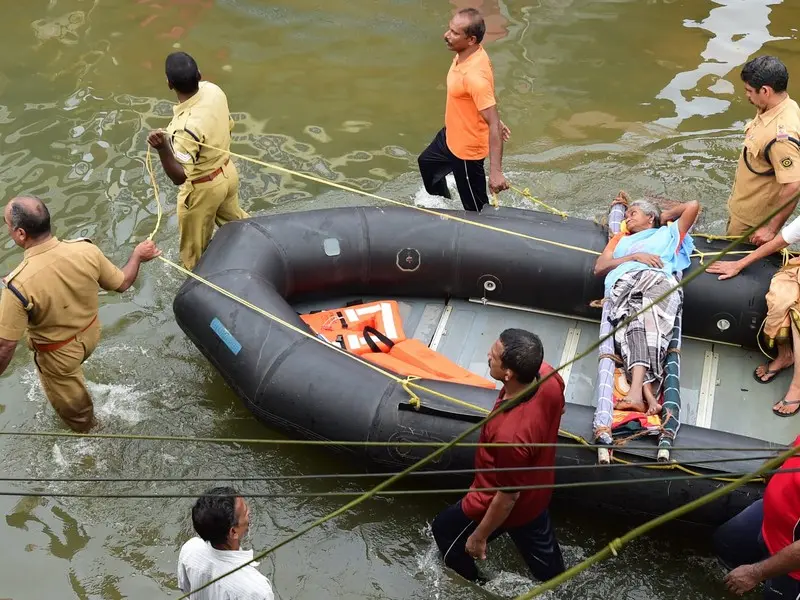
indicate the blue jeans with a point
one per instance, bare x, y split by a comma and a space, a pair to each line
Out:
739, 542
535, 541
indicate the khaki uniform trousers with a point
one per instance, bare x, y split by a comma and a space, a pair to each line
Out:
736, 227
202, 205
61, 374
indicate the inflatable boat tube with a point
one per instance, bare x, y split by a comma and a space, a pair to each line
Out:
308, 390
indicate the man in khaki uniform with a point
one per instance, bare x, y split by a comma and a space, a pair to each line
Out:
53, 295
208, 180
768, 173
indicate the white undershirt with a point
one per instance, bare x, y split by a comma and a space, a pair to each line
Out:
791, 232
199, 563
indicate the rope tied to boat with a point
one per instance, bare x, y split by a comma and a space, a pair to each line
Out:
507, 404
407, 383
413, 399
354, 190
526, 193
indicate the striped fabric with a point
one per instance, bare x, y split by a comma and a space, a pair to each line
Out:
604, 388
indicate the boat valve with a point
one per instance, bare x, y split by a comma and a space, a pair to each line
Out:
488, 286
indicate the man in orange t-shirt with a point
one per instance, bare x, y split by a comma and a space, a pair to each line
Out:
473, 128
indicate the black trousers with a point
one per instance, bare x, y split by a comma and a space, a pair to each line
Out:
739, 542
535, 541
436, 161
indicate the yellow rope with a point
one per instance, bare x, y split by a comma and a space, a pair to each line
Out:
406, 383
615, 546
507, 404
527, 194
389, 200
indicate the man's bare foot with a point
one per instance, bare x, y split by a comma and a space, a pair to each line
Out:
769, 371
653, 407
633, 401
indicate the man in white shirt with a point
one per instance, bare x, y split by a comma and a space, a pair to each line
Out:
782, 325
221, 519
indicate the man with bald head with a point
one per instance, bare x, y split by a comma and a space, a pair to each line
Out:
52, 295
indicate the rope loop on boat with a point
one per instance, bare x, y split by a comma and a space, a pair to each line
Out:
413, 399
527, 194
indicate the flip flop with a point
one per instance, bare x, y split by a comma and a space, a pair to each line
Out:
785, 402
767, 371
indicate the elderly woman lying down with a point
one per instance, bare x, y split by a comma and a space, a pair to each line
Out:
639, 268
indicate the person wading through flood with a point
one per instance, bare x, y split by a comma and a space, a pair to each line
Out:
52, 295
473, 128
208, 179
768, 172
639, 268
463, 530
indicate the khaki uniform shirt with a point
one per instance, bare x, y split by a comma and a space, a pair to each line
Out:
754, 197
202, 118
60, 280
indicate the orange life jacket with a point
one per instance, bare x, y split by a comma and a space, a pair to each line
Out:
412, 357
345, 326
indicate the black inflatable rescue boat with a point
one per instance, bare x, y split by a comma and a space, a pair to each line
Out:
457, 286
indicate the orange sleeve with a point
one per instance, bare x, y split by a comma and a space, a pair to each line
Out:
481, 91
612, 243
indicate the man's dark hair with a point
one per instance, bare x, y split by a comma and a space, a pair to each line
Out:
766, 70
182, 72
214, 514
31, 216
476, 27
522, 353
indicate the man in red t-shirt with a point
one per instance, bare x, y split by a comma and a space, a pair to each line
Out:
463, 529
762, 543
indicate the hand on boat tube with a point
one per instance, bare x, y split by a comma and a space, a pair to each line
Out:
742, 579
725, 268
651, 260
476, 547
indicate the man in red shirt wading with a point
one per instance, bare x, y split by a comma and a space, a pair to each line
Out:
762, 543
463, 529
472, 126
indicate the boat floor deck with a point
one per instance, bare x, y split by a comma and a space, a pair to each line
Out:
718, 390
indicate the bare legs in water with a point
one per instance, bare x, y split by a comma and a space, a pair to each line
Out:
640, 397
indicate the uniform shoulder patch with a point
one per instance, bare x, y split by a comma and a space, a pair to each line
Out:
83, 239
183, 156
15, 272
787, 162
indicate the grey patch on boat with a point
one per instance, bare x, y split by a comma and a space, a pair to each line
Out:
331, 247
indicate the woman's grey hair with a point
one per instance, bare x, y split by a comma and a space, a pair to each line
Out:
649, 209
